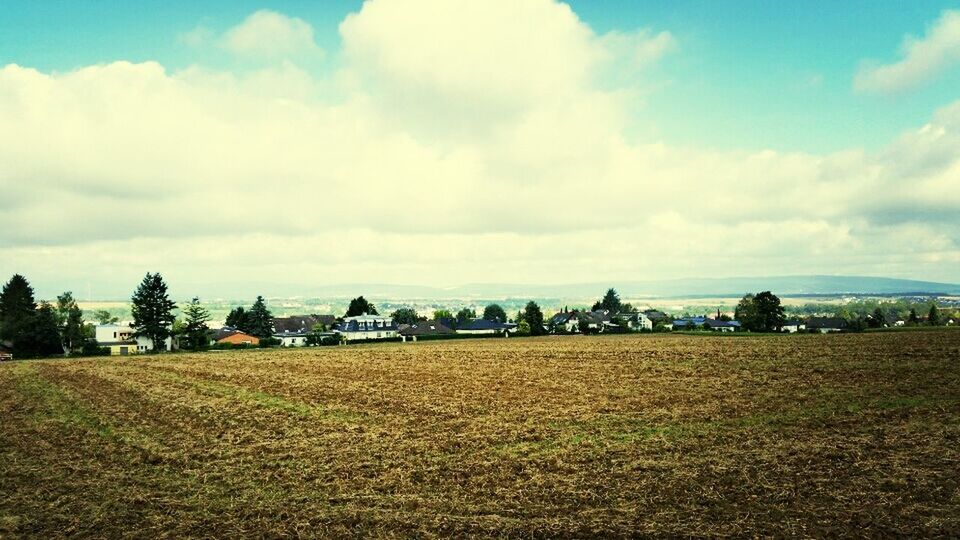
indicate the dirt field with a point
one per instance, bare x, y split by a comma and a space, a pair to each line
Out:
567, 436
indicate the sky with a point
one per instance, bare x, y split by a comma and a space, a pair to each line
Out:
442, 142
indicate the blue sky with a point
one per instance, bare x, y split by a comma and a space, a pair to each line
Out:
751, 74
441, 142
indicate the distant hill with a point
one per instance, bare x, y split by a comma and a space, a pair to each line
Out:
695, 287
782, 285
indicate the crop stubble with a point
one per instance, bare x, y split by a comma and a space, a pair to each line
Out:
572, 436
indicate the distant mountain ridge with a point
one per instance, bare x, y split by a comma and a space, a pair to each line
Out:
670, 288
736, 286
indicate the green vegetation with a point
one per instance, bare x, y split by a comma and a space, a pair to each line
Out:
152, 310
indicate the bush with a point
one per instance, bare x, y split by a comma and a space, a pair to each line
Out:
266, 343
92, 348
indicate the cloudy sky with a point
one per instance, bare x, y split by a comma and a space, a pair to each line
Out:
450, 141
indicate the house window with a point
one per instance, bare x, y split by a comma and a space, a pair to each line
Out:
114, 335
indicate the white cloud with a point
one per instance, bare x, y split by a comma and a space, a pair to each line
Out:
271, 35
131, 167
641, 47
923, 59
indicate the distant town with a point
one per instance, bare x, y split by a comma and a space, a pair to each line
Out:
156, 324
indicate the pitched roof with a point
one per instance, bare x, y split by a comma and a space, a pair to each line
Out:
426, 328
483, 324
301, 323
826, 322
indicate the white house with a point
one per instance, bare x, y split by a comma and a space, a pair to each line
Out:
792, 327
291, 339
638, 321
120, 340
367, 327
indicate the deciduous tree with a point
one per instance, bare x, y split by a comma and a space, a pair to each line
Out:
533, 316
404, 316
495, 313
103, 316
237, 318
360, 306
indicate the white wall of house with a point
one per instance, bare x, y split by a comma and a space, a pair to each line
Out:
291, 341
111, 333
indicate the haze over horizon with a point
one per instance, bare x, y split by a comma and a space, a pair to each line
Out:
445, 142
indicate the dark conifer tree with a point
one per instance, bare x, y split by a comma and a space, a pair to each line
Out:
153, 310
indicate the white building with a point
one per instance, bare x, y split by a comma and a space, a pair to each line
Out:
792, 327
367, 327
120, 340
291, 339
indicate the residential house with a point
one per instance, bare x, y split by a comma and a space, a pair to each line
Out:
827, 324
120, 339
722, 326
793, 326
302, 323
367, 327
637, 321
6, 351
485, 327
291, 339
697, 323
659, 317
236, 337
421, 329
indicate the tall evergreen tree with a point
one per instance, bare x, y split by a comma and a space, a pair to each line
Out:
610, 302
913, 318
534, 317
260, 319
17, 308
360, 306
237, 318
153, 310
933, 316
196, 333
494, 313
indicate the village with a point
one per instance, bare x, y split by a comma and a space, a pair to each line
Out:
32, 330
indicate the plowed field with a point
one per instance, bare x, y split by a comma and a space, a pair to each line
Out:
564, 436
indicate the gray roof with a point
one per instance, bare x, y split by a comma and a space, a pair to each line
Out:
826, 322
301, 323
483, 324
426, 328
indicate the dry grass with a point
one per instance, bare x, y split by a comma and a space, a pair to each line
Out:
573, 436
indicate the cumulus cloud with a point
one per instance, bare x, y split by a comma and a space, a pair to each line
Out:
447, 149
923, 59
268, 34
